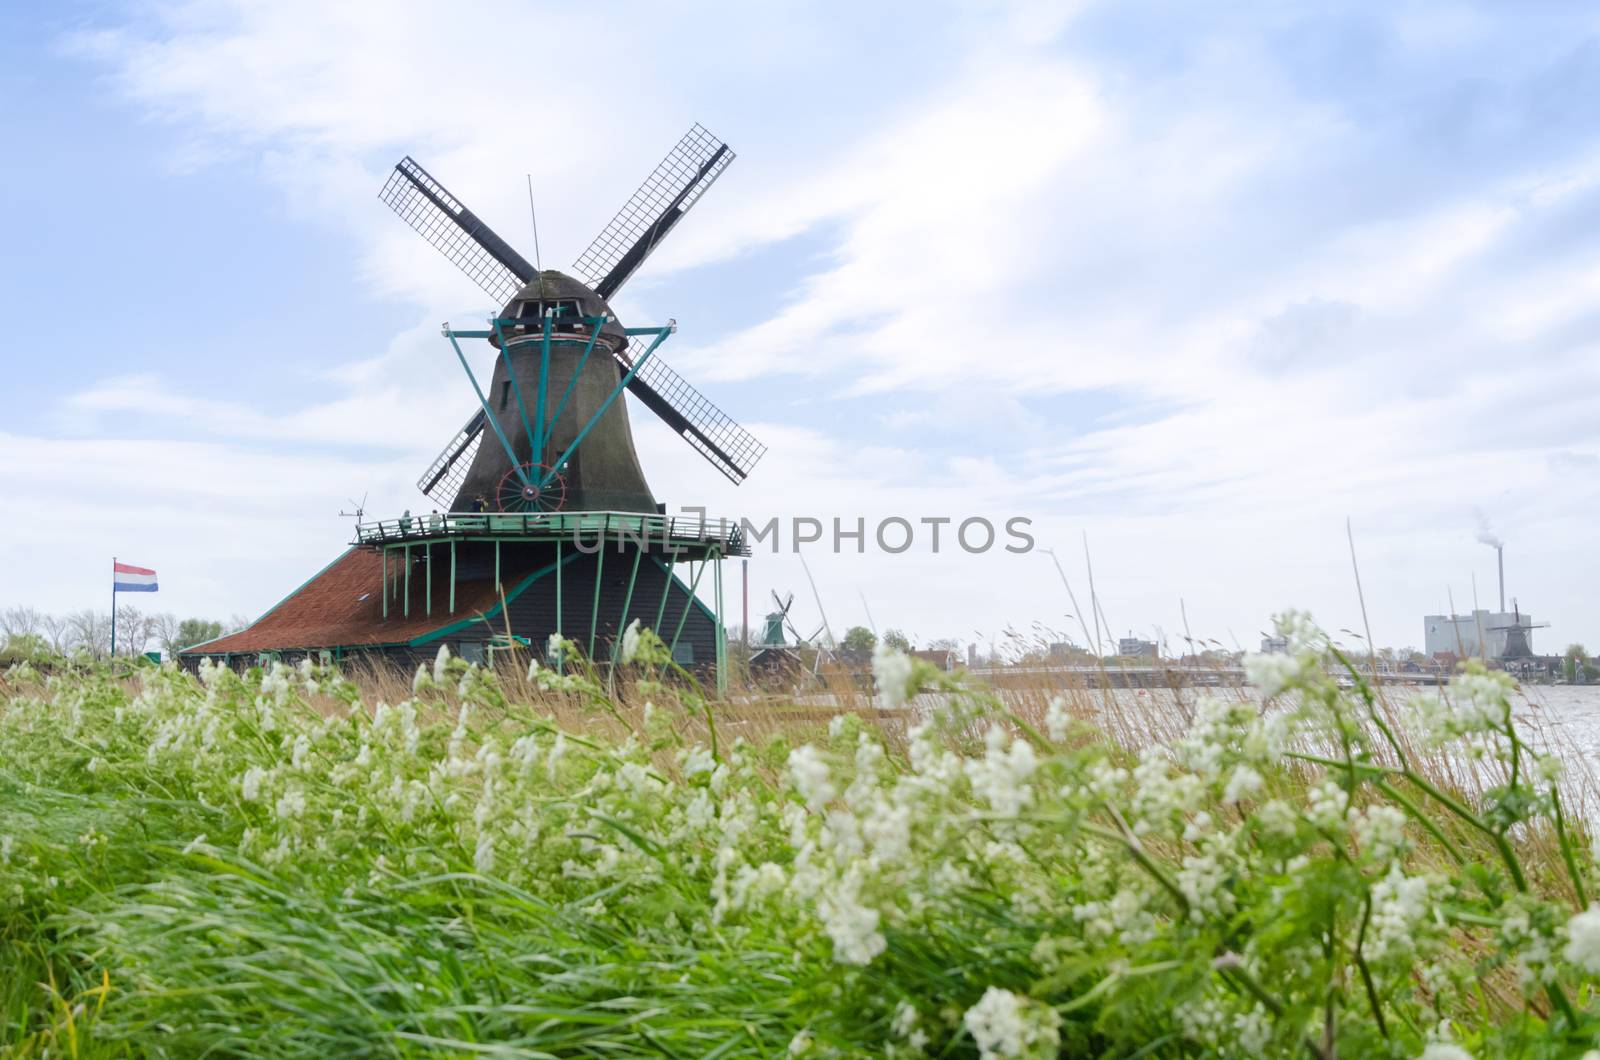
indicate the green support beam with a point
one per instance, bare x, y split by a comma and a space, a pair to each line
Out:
599, 580
594, 323
722, 637
661, 336
516, 389
488, 413
687, 604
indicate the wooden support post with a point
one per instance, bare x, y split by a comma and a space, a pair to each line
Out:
687, 605
661, 612
385, 552
452, 575
627, 601
599, 577
405, 607
427, 603
722, 635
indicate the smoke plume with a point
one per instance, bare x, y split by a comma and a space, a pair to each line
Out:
1486, 534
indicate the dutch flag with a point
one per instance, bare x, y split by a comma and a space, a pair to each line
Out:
126, 578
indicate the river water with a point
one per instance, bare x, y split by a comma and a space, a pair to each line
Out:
1571, 713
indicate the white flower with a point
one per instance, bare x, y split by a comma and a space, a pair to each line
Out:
698, 761
630, 643
292, 805
440, 661
1445, 1051
1328, 804
1056, 719
1381, 831
1301, 631
892, 671
1478, 701
1007, 1024
1583, 940
1399, 903
195, 843
250, 783
853, 927
483, 857
809, 774
800, 1044
1243, 781
1271, 674
1000, 777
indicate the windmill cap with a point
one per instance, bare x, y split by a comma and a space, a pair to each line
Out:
550, 285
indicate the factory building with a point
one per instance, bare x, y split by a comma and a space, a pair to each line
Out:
1491, 634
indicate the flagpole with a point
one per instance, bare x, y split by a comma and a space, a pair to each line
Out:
113, 609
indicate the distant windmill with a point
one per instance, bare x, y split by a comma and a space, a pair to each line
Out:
1518, 642
777, 620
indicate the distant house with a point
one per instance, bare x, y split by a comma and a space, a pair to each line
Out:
938, 657
1133, 647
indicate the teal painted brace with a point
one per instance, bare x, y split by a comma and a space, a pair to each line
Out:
661, 336
516, 388
561, 406
488, 414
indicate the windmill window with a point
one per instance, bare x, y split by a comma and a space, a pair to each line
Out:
505, 394
683, 654
561, 308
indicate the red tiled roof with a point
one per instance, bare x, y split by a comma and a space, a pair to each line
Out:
343, 607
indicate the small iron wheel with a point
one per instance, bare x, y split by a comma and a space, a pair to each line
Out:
531, 488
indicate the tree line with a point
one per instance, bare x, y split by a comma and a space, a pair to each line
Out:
28, 632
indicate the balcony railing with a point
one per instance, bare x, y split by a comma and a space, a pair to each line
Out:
583, 527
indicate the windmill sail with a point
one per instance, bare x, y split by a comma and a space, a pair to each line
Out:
442, 481
689, 169
442, 219
728, 447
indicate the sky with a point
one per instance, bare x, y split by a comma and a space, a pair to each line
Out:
1205, 292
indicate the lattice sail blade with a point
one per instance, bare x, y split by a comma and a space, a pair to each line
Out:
442, 219
442, 481
727, 446
667, 194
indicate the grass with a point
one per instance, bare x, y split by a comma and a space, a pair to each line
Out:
306, 864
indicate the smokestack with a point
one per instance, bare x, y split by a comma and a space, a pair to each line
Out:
1500, 558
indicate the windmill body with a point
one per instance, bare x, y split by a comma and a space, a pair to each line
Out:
544, 523
603, 474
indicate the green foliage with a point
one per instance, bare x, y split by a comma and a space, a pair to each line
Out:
893, 638
24, 647
215, 867
192, 631
859, 640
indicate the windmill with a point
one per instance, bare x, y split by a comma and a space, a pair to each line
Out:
557, 337
1516, 641
777, 620
543, 476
